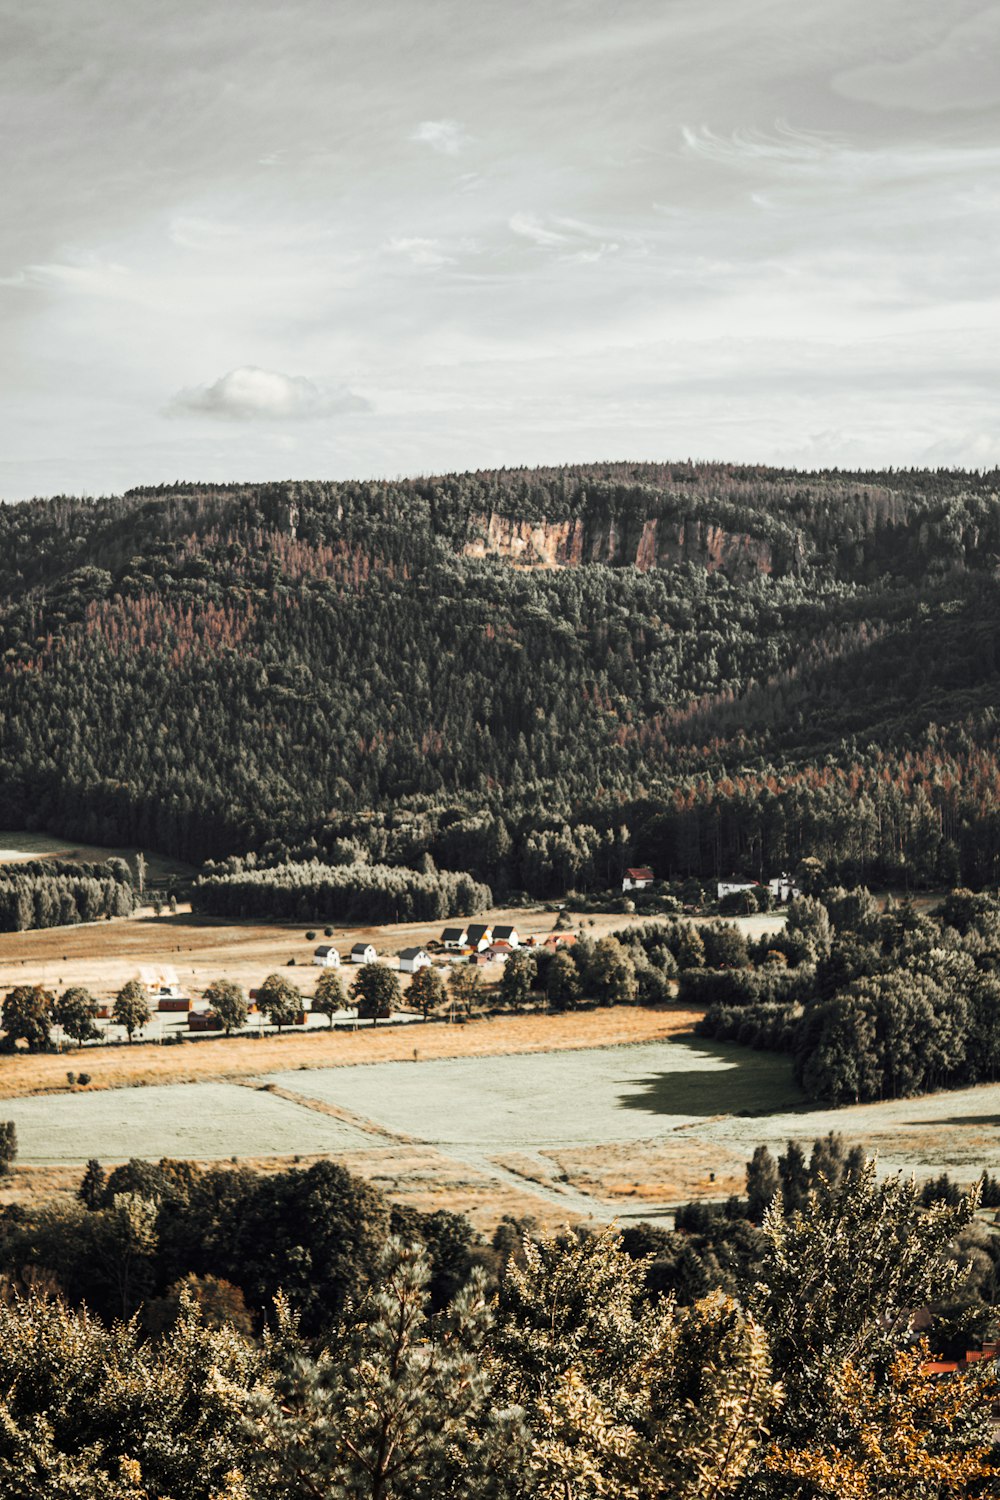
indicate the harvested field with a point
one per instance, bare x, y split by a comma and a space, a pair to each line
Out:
202, 1121
247, 1056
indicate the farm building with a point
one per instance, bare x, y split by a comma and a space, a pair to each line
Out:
203, 1020
783, 888
478, 958
478, 936
637, 879
160, 983
498, 953
454, 937
509, 935
734, 885
363, 953
326, 956
412, 959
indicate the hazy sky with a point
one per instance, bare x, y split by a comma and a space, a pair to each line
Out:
332, 238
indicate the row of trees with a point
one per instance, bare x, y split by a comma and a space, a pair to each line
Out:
390, 1371
346, 893
46, 900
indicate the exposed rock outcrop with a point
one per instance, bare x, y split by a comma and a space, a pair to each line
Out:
655, 542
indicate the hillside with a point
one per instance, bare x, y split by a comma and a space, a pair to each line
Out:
536, 676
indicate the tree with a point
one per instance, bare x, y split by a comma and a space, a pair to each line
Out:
690, 948
8, 1146
329, 996
465, 987
868, 1254
794, 1176
280, 1000
395, 1409
763, 1183
518, 978
611, 973
227, 999
622, 1397
74, 1012
27, 1016
376, 993
562, 985
131, 1008
92, 1184
426, 990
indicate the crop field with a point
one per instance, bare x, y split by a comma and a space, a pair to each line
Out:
204, 1120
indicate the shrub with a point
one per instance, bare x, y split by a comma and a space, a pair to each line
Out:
83, 1079
310, 937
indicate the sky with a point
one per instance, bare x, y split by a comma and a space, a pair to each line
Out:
366, 238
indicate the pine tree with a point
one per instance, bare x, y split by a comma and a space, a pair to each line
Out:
91, 1189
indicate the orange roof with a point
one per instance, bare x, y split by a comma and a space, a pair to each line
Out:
939, 1367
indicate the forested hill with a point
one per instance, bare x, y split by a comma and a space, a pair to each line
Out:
535, 675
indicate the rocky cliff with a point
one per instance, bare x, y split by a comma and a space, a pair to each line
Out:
656, 542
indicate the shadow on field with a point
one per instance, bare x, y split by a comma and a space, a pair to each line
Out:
747, 1083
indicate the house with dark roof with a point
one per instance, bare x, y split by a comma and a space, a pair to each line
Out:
454, 937
506, 934
363, 953
412, 959
326, 956
478, 936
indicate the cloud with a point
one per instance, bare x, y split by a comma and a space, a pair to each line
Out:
422, 252
960, 72
446, 136
530, 229
250, 394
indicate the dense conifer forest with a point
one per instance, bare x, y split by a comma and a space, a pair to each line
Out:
536, 677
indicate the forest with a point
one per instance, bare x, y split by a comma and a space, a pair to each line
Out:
215, 1333
536, 677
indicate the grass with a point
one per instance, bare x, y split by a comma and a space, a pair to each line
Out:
245, 1057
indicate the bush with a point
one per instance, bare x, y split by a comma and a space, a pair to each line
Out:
310, 937
83, 1079
328, 932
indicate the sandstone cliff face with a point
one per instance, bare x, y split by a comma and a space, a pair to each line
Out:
653, 543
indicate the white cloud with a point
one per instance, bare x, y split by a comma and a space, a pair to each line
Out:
530, 229
421, 252
446, 136
250, 394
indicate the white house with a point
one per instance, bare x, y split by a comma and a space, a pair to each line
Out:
412, 959
509, 935
363, 953
637, 879
454, 937
161, 983
326, 956
783, 888
478, 937
734, 886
